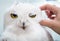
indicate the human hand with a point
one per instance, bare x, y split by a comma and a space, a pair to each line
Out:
54, 21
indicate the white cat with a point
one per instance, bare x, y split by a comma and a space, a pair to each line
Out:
22, 24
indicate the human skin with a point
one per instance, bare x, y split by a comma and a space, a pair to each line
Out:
54, 22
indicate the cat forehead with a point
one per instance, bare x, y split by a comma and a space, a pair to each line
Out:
24, 8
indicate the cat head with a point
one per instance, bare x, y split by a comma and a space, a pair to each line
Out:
23, 14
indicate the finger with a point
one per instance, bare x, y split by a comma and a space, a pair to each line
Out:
49, 7
55, 25
53, 16
46, 23
50, 23
50, 15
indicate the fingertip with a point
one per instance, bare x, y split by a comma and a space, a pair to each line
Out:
43, 22
47, 23
43, 7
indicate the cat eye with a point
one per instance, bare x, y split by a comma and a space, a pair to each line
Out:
13, 15
32, 16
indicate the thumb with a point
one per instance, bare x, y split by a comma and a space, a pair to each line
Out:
53, 24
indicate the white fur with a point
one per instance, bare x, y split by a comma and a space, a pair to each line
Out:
33, 31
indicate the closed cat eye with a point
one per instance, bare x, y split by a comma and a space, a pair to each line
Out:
32, 16
13, 15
